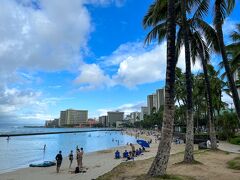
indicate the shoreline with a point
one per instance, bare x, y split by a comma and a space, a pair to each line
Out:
97, 163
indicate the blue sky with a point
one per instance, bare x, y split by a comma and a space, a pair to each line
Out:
80, 54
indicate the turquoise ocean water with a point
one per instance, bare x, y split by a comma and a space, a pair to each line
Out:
20, 151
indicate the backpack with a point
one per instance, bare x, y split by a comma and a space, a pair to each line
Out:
77, 170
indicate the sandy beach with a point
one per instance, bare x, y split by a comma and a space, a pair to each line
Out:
96, 164
101, 162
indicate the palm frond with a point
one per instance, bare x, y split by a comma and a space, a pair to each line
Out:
156, 13
202, 9
209, 33
158, 32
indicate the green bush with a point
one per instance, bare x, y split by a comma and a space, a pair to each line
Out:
235, 140
234, 164
227, 124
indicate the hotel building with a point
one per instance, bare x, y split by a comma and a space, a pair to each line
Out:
73, 117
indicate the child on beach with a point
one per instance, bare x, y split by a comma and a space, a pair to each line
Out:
70, 156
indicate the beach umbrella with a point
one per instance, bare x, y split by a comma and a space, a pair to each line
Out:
143, 143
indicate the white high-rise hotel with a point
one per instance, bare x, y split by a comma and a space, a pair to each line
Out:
155, 100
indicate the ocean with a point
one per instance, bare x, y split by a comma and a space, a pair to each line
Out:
20, 151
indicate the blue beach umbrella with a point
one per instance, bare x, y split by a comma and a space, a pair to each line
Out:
143, 143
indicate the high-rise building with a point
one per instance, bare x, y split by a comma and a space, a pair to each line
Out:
160, 98
113, 117
73, 117
52, 123
103, 120
134, 116
155, 101
151, 103
144, 111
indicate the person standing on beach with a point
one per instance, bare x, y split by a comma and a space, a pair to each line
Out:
59, 160
133, 149
70, 156
79, 158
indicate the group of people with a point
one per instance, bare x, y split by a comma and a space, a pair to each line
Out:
129, 155
79, 158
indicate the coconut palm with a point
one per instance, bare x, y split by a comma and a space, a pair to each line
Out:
160, 162
234, 49
159, 31
222, 9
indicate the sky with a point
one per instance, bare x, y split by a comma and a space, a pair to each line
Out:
79, 54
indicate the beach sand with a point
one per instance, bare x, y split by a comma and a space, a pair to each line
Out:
96, 164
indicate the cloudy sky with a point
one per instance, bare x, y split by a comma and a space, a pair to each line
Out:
80, 54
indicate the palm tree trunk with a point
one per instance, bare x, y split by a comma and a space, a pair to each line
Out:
232, 85
188, 156
160, 162
212, 131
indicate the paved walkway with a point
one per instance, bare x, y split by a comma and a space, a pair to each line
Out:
225, 146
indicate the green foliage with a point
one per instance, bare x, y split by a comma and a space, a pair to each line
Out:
155, 118
235, 140
227, 124
199, 96
234, 164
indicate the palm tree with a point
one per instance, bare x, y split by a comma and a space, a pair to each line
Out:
189, 148
201, 50
160, 162
222, 9
159, 31
234, 49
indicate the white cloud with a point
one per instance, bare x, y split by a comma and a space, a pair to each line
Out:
43, 35
135, 65
126, 108
91, 76
46, 39
12, 99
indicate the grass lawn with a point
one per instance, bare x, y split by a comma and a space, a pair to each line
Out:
210, 165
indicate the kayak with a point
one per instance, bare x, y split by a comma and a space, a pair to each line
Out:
44, 164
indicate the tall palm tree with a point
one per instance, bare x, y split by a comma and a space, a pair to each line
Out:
222, 9
201, 50
160, 162
188, 156
182, 7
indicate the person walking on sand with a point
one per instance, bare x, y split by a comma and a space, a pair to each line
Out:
59, 160
70, 156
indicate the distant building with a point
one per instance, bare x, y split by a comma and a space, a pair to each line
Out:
52, 123
113, 117
236, 77
103, 120
92, 122
151, 103
160, 98
120, 124
144, 111
155, 101
73, 117
134, 116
